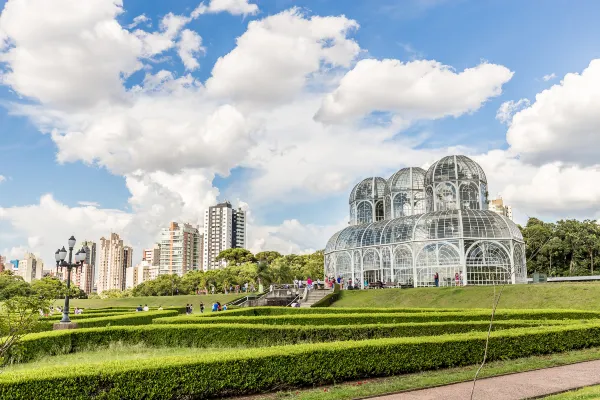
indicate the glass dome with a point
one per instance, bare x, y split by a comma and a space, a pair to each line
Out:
367, 201
455, 182
405, 193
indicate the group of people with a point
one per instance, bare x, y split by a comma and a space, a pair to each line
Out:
189, 308
144, 308
458, 279
59, 310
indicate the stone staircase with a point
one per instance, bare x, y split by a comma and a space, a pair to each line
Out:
314, 296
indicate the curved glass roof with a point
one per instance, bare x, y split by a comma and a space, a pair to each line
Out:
368, 189
453, 168
411, 178
452, 224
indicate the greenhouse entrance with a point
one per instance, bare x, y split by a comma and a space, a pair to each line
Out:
373, 276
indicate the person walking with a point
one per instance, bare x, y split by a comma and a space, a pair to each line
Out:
456, 279
201, 308
187, 309
436, 279
461, 279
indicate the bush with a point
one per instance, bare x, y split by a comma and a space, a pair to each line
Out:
233, 335
57, 316
138, 318
255, 370
265, 311
380, 318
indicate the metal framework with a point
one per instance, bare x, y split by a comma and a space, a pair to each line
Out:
459, 237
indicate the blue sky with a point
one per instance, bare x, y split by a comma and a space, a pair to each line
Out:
531, 38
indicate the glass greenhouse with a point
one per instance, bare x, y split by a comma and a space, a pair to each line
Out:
417, 224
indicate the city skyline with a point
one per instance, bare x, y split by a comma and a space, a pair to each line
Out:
282, 111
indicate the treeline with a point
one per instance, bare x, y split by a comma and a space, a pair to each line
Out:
564, 248
49, 287
242, 267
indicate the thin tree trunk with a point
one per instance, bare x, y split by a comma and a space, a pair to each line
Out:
592, 260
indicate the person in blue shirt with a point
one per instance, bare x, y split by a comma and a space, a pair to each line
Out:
215, 306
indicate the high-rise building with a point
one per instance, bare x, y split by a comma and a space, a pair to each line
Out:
138, 274
179, 249
224, 228
84, 277
112, 260
31, 267
498, 206
152, 255
127, 262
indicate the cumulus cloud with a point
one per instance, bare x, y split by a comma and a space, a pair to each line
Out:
509, 108
562, 124
234, 7
414, 90
189, 45
275, 56
549, 77
140, 19
2, 178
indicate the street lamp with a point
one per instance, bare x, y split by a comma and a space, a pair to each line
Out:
60, 256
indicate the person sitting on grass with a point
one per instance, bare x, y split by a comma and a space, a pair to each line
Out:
160, 308
219, 306
146, 307
224, 307
140, 308
215, 306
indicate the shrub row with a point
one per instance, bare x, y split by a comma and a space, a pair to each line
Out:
84, 315
381, 318
138, 318
266, 311
234, 335
255, 370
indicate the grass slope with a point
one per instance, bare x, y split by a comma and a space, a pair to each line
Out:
154, 301
580, 296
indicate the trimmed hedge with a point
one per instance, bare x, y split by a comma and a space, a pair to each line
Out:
266, 311
56, 317
381, 318
255, 370
234, 335
138, 318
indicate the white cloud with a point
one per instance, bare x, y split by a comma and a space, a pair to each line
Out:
562, 124
88, 204
549, 77
140, 19
189, 44
70, 59
49, 224
509, 108
2, 178
413, 90
275, 56
234, 7
291, 237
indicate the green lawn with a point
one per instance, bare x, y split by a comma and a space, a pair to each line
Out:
154, 301
115, 352
582, 296
591, 392
394, 384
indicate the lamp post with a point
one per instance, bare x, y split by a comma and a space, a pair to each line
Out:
60, 256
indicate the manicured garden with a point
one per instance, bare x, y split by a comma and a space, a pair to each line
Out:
120, 353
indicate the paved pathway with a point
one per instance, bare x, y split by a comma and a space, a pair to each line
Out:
522, 385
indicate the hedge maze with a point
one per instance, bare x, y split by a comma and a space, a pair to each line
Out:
270, 348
